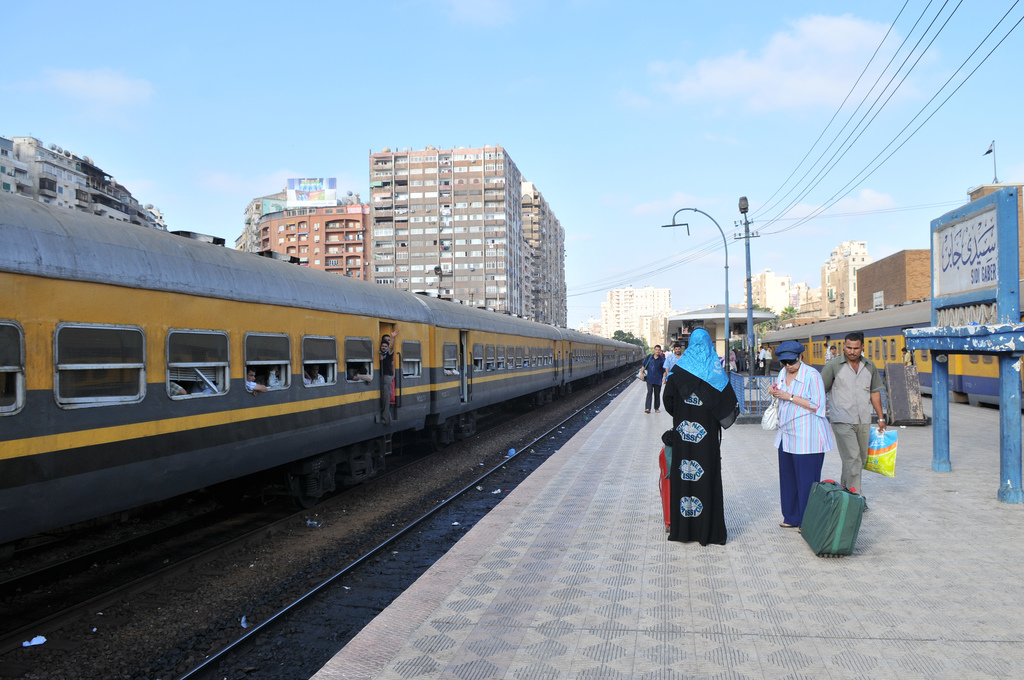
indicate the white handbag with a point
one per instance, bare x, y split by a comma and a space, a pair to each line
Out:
770, 419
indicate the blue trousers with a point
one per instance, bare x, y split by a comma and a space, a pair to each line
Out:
797, 472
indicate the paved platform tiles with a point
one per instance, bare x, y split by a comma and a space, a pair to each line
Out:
571, 576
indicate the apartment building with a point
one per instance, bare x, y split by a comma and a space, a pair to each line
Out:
545, 300
448, 222
251, 239
770, 290
57, 176
8, 181
839, 278
640, 312
331, 239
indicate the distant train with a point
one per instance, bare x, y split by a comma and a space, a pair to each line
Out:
973, 378
124, 352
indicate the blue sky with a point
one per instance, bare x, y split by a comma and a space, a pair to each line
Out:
620, 114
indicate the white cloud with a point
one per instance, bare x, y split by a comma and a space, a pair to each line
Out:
864, 201
812, 63
633, 100
98, 90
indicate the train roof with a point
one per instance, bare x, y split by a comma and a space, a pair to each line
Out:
910, 314
60, 243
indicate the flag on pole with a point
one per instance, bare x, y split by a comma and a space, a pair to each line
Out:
991, 148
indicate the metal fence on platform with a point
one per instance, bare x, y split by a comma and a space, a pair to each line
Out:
753, 396
752, 392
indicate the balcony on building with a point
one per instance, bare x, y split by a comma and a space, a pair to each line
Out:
47, 187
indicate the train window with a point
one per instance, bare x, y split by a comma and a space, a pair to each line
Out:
924, 354
358, 359
892, 348
526, 357
412, 359
533, 356
322, 352
510, 357
100, 365
973, 358
269, 356
451, 358
478, 357
489, 363
500, 357
12, 368
885, 349
197, 363
519, 357
878, 350
986, 358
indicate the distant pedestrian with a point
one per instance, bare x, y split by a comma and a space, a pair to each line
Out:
854, 387
741, 360
671, 358
654, 374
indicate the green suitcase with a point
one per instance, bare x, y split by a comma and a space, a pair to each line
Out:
832, 519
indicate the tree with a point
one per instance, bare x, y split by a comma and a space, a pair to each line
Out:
623, 336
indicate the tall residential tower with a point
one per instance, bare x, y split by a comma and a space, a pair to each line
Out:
447, 222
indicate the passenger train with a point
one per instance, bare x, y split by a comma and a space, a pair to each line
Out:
973, 378
124, 352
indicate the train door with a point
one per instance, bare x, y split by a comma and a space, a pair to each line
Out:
554, 362
569, 358
385, 328
465, 366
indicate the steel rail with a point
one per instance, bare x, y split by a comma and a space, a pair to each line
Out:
206, 665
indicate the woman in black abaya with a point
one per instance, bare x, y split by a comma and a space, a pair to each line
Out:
702, 404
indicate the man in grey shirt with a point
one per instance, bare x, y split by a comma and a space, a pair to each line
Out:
854, 388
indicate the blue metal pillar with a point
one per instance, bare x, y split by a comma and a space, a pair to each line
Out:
940, 413
1009, 430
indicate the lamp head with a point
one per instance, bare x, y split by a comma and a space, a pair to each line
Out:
744, 206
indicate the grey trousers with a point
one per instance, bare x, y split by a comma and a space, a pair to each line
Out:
852, 441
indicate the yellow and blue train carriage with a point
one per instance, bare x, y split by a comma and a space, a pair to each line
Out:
972, 378
124, 353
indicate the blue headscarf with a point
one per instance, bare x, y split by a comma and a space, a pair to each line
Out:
701, 360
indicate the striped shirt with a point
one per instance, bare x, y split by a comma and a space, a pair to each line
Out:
802, 430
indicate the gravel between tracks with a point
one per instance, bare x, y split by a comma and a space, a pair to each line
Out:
161, 633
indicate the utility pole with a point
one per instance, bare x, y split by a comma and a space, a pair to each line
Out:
744, 206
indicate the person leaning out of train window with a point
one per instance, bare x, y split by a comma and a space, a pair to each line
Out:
274, 378
352, 374
312, 376
908, 357
250, 382
804, 435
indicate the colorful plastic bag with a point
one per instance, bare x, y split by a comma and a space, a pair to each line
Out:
882, 452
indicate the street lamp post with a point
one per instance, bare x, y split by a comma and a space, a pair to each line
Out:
744, 206
725, 243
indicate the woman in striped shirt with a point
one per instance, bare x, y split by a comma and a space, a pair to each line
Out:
804, 433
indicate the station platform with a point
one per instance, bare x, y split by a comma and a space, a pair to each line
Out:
571, 576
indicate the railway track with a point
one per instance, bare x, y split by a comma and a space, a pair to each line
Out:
233, 657
198, 551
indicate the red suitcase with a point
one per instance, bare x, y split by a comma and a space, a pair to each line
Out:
664, 484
